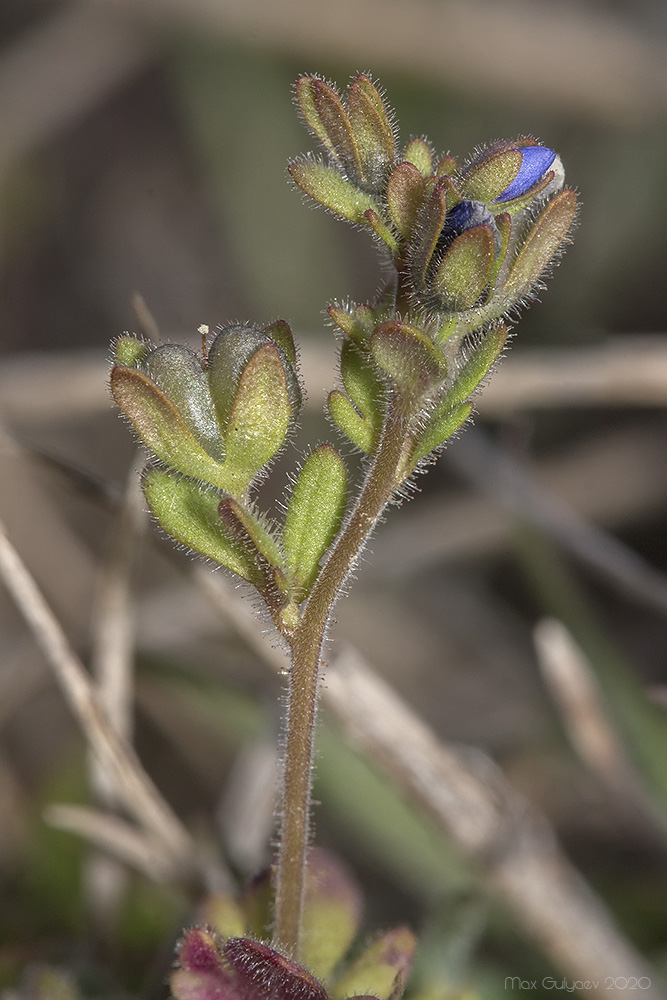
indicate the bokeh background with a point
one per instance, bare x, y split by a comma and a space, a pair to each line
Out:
143, 146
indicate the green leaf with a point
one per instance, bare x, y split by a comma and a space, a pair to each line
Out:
280, 333
162, 428
363, 387
445, 422
314, 514
465, 270
326, 186
190, 515
477, 362
348, 419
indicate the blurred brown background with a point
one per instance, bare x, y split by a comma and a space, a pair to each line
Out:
143, 146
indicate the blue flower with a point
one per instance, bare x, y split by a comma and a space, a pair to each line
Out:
535, 161
463, 216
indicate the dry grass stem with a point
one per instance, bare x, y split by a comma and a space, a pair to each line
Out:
620, 371
120, 842
140, 796
576, 692
112, 662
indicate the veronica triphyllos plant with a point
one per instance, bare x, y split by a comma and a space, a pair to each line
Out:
468, 244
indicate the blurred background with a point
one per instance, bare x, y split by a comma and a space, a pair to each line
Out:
143, 147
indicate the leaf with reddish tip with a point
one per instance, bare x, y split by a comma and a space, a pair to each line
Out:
372, 129
305, 95
336, 123
447, 165
547, 234
162, 427
405, 193
430, 221
465, 270
383, 968
326, 186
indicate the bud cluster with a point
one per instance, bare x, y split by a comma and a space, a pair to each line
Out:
469, 242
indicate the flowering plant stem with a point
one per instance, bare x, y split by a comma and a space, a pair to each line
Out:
382, 481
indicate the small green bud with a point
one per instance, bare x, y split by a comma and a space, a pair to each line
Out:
419, 153
357, 323
314, 514
465, 270
129, 351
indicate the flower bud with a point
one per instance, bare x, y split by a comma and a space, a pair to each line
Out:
510, 175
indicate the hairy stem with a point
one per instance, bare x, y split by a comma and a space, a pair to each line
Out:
382, 481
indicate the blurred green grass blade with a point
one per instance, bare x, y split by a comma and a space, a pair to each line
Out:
355, 799
238, 114
641, 725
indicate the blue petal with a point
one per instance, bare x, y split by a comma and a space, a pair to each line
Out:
535, 161
462, 216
